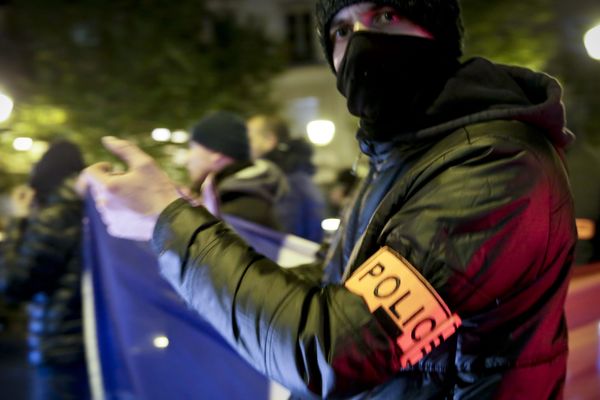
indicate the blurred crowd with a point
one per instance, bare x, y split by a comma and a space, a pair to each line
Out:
251, 169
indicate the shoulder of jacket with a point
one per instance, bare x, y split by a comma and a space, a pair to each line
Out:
503, 135
476, 142
516, 132
258, 169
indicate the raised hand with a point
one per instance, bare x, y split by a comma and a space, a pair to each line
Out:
131, 201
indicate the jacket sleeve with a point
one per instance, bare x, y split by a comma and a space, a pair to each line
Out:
36, 255
314, 340
323, 340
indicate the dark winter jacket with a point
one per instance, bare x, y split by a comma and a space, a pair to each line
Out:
252, 191
301, 211
40, 262
479, 206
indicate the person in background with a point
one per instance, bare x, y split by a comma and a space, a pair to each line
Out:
41, 263
231, 183
302, 209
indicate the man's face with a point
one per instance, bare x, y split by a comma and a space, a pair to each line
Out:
368, 16
201, 161
261, 141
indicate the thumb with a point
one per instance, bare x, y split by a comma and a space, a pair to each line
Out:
132, 155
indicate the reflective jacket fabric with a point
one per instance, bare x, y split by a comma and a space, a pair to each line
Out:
483, 212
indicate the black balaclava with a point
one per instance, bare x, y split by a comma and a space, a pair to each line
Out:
390, 80
441, 18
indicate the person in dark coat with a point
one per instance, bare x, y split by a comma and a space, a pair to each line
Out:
302, 209
449, 275
232, 184
40, 262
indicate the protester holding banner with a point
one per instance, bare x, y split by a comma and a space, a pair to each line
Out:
449, 276
41, 263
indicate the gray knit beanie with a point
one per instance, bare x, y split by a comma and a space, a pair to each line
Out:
440, 17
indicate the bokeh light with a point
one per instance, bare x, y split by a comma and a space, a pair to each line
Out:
592, 42
6, 107
161, 342
161, 135
321, 132
23, 144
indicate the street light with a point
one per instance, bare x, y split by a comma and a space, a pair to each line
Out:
6, 107
161, 135
23, 144
592, 42
180, 137
321, 132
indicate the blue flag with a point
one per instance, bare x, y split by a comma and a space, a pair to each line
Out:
143, 342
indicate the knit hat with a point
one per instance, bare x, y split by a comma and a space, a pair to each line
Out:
223, 132
62, 160
440, 17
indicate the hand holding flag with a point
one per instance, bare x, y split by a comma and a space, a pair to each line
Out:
130, 202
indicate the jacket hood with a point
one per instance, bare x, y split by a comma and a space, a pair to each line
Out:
261, 178
481, 91
293, 156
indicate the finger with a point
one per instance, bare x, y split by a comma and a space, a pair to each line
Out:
98, 174
132, 155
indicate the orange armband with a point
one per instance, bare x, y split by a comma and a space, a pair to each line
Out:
404, 303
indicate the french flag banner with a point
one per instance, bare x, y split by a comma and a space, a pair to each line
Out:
143, 342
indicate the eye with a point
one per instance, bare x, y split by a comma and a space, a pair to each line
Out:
386, 17
340, 32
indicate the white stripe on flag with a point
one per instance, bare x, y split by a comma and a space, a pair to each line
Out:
296, 251
89, 333
278, 392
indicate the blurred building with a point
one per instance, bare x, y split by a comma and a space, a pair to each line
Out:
306, 91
